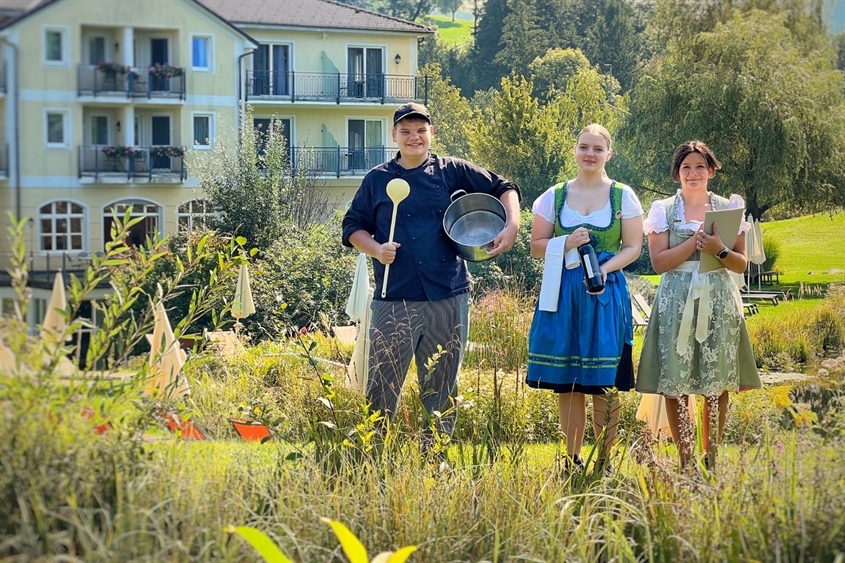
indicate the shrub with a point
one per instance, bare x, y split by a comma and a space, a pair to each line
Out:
642, 265
771, 246
164, 70
113, 68
293, 283
119, 151
167, 151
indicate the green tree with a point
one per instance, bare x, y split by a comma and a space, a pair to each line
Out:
531, 142
772, 112
523, 36
487, 72
450, 113
552, 71
449, 6
255, 188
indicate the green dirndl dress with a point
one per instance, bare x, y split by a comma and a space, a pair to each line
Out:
724, 360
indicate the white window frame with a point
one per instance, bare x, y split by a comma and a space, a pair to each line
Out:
212, 133
206, 214
64, 32
69, 234
65, 112
209, 55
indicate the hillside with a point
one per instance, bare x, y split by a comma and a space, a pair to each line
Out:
458, 31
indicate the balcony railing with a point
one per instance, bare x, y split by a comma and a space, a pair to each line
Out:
4, 160
137, 83
337, 161
142, 164
336, 87
3, 78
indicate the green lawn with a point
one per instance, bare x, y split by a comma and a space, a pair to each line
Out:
458, 31
810, 247
811, 251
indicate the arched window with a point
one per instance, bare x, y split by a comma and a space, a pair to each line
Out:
61, 226
138, 233
193, 215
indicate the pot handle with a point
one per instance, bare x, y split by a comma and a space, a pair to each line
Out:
456, 194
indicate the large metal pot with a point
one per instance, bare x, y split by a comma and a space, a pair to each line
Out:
472, 222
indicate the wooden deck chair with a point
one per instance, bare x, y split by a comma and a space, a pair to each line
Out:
643, 305
186, 429
638, 319
251, 431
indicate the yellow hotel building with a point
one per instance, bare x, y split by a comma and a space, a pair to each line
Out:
101, 101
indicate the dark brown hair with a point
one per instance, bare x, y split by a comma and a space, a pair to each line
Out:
688, 148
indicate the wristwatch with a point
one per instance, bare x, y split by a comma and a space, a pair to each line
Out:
722, 254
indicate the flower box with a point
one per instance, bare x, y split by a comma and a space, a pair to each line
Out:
119, 151
160, 70
113, 68
167, 151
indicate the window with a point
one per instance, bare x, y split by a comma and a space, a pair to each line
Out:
139, 232
96, 50
99, 130
201, 52
7, 306
61, 226
54, 46
203, 137
194, 214
56, 127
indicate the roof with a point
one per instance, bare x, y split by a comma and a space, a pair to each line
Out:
22, 9
322, 14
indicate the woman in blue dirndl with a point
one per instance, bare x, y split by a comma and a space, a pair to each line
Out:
580, 343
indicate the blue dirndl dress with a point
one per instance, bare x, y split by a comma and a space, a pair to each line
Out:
585, 346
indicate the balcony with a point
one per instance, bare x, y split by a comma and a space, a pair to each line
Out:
337, 161
135, 164
335, 87
110, 79
4, 161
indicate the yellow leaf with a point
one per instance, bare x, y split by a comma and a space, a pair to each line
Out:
268, 550
354, 549
402, 554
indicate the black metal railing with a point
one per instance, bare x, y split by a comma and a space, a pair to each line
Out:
39, 261
142, 163
3, 79
132, 84
4, 160
337, 161
336, 87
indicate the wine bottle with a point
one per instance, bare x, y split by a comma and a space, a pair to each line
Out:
590, 265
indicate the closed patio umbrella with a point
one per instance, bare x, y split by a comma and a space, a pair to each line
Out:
54, 325
358, 309
243, 305
166, 359
756, 252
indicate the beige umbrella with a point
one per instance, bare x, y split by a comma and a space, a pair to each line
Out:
652, 411
166, 359
54, 325
358, 309
243, 305
756, 252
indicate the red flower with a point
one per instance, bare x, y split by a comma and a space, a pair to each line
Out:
303, 330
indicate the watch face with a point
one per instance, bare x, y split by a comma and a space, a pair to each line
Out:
723, 253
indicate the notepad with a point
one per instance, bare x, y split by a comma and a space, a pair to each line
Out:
727, 222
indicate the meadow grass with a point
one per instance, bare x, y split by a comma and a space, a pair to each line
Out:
810, 247
453, 32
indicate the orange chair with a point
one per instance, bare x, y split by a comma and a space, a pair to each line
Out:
187, 429
251, 431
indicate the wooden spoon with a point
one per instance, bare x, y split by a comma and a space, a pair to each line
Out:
397, 190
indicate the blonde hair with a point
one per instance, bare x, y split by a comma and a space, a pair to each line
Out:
596, 129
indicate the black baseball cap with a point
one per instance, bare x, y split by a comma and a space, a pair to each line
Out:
410, 110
